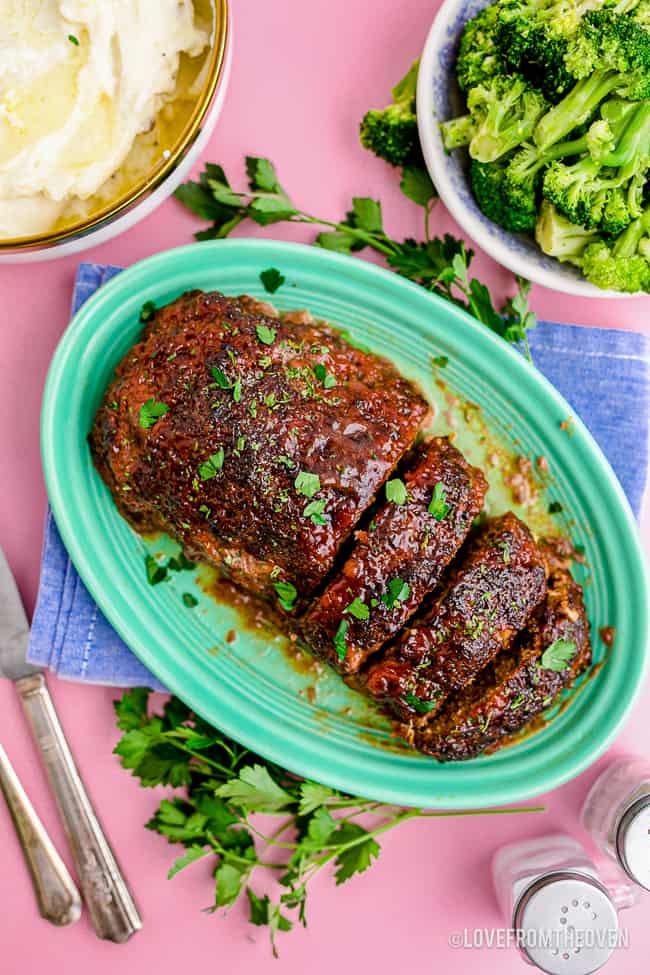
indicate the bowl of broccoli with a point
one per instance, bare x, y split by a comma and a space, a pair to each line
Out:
534, 120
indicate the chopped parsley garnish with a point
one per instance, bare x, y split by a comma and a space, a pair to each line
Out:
314, 510
287, 595
241, 441
189, 600
155, 571
358, 609
505, 551
211, 467
417, 704
517, 702
327, 379
396, 592
75, 40
440, 360
272, 280
178, 563
484, 723
438, 506
148, 310
340, 644
236, 390
266, 334
555, 507
150, 413
559, 655
252, 409
220, 378
396, 491
307, 484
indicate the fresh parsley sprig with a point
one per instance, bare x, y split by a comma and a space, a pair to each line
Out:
438, 264
223, 789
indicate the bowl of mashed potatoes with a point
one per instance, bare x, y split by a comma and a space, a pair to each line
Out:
104, 108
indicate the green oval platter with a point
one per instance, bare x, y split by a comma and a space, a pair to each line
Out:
246, 681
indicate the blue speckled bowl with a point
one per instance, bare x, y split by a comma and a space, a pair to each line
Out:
439, 99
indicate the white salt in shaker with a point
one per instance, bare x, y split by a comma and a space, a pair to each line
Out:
550, 893
616, 813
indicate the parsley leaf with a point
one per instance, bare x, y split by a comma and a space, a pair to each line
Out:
287, 595
438, 506
191, 855
307, 484
559, 655
314, 510
418, 704
312, 795
340, 644
359, 854
417, 186
220, 378
150, 413
396, 491
254, 789
358, 609
396, 592
73, 40
272, 280
189, 600
155, 571
266, 334
211, 467
440, 360
327, 379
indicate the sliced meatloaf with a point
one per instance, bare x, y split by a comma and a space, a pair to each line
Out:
398, 559
256, 441
490, 595
551, 652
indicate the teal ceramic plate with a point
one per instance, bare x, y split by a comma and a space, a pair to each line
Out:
245, 679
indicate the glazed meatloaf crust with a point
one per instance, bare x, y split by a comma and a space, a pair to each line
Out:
397, 559
551, 652
256, 441
488, 598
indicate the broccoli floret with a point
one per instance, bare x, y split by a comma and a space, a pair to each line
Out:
392, 132
487, 181
458, 132
622, 266
560, 238
592, 191
610, 53
532, 39
478, 58
506, 111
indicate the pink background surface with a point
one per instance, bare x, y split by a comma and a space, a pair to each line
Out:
303, 75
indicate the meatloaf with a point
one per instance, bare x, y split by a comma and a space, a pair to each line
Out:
553, 650
256, 441
398, 558
488, 598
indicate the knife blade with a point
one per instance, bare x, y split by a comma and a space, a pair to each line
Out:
105, 892
14, 628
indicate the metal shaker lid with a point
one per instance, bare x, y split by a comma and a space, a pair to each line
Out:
633, 841
566, 923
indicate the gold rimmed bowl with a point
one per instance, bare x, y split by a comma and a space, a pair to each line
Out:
158, 161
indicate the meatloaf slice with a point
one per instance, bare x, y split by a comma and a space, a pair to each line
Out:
520, 683
489, 597
257, 441
397, 559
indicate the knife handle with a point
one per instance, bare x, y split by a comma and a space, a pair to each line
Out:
58, 898
112, 909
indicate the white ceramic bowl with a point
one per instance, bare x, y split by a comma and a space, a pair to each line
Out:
143, 202
439, 99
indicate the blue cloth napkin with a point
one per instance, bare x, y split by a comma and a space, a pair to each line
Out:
604, 374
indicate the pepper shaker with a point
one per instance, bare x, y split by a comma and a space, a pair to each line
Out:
550, 893
616, 813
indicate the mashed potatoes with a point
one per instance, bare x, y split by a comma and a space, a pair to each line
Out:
79, 81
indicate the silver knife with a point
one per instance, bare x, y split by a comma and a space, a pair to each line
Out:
112, 909
58, 898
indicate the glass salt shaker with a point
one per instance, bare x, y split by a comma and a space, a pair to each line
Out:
616, 813
550, 893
